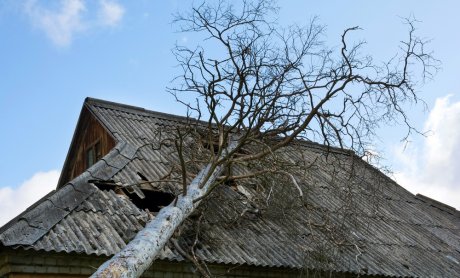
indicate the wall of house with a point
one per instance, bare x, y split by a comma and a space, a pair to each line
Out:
41, 264
89, 131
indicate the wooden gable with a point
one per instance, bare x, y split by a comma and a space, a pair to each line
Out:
90, 142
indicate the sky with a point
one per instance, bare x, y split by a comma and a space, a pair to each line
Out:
53, 54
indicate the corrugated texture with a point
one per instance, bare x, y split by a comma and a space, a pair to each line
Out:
352, 218
102, 224
37, 220
380, 227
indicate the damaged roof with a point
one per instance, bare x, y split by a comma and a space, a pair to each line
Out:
352, 217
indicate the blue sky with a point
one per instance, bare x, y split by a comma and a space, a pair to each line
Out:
55, 53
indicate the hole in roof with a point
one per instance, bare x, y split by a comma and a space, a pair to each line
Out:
141, 176
213, 146
104, 185
406, 266
153, 201
230, 182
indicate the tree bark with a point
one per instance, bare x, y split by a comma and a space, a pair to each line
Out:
138, 255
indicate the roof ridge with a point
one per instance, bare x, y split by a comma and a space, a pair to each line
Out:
121, 106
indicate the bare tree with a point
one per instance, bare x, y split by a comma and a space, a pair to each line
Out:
259, 87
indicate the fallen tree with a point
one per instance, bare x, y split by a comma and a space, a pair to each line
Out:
136, 256
269, 86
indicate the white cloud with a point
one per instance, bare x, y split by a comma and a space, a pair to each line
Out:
434, 169
61, 25
15, 200
110, 13
72, 17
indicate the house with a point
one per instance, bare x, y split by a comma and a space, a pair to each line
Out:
353, 220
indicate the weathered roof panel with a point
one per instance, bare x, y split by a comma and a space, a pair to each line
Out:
100, 225
362, 223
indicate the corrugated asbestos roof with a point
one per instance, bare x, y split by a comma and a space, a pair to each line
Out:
352, 218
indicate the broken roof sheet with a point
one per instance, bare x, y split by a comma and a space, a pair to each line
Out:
361, 222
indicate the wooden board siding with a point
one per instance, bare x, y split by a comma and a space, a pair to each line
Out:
89, 132
41, 264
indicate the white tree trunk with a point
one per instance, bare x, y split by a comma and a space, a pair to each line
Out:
139, 254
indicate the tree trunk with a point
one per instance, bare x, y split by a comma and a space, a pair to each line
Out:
138, 255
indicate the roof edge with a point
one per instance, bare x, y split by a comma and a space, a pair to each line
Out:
10, 223
121, 106
105, 168
437, 204
60, 182
117, 105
